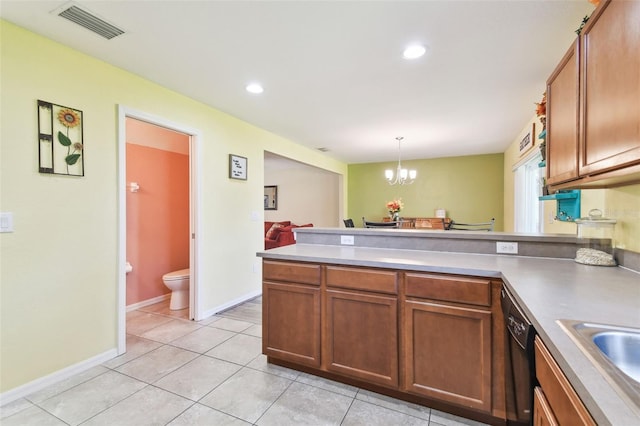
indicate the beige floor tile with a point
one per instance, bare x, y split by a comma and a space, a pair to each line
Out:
67, 384
145, 322
260, 363
157, 363
240, 349
302, 404
198, 377
414, 410
364, 414
91, 397
209, 320
202, 415
170, 331
150, 406
247, 394
254, 330
203, 339
439, 418
327, 384
231, 324
33, 416
135, 346
14, 407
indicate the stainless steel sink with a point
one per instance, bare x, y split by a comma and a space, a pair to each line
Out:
615, 351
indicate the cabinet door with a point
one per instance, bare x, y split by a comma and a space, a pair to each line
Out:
562, 119
610, 88
562, 398
448, 353
291, 323
542, 414
361, 336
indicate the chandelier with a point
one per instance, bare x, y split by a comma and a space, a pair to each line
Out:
402, 176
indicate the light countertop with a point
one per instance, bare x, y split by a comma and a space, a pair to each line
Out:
547, 289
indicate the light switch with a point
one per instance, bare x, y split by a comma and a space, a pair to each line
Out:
6, 222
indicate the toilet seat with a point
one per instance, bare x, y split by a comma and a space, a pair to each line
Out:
177, 275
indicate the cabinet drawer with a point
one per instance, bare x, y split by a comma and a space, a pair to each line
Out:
565, 403
304, 273
362, 279
471, 291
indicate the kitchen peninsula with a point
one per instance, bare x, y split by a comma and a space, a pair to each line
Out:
376, 284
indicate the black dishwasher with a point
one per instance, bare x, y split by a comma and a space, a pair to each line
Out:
520, 374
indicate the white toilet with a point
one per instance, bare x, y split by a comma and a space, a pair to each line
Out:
178, 283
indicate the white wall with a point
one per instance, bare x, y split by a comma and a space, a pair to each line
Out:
306, 194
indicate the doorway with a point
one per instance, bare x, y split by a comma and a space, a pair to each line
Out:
124, 190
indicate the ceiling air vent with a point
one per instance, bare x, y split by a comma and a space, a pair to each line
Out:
90, 22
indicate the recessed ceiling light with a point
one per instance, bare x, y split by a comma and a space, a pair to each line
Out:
254, 88
414, 51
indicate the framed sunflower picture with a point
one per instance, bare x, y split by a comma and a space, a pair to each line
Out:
60, 140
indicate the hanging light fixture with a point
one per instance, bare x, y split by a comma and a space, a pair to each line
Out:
402, 176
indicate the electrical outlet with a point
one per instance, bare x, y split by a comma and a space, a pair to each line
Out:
346, 240
506, 247
6, 222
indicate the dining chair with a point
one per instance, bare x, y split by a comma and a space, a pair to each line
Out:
479, 226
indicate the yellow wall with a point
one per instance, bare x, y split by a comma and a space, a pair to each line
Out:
59, 267
470, 188
622, 204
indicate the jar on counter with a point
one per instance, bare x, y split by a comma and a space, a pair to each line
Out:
595, 226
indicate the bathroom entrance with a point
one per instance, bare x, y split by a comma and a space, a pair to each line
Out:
157, 217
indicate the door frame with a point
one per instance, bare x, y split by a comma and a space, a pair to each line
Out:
195, 178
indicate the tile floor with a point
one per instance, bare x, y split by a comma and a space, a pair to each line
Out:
211, 372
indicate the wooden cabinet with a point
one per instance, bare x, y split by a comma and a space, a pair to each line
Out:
610, 90
447, 352
361, 327
542, 413
434, 339
556, 401
562, 119
608, 120
291, 312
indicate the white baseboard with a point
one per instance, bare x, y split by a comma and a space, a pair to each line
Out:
230, 304
148, 302
55, 377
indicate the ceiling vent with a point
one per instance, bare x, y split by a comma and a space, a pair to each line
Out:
74, 13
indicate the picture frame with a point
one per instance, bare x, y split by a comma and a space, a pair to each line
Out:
528, 141
271, 197
60, 139
238, 167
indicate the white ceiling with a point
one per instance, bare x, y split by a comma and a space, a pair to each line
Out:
333, 71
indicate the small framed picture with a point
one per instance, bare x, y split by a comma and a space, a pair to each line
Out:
237, 167
527, 141
271, 197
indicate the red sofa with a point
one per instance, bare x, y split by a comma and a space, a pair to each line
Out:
281, 234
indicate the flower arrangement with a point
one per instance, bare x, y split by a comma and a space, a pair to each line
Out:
541, 107
394, 206
69, 119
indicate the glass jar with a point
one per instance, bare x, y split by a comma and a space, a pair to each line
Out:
596, 227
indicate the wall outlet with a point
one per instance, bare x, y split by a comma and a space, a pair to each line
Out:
6, 222
346, 240
505, 247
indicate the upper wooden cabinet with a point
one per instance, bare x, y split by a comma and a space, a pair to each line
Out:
610, 92
562, 118
593, 105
